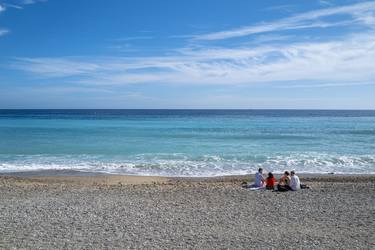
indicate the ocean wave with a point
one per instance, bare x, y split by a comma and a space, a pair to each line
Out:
185, 165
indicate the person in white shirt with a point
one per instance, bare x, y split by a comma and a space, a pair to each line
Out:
295, 183
259, 178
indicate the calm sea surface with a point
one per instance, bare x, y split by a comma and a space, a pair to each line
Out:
188, 142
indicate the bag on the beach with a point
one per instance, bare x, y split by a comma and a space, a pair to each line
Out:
304, 186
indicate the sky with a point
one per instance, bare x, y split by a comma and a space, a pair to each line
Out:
225, 54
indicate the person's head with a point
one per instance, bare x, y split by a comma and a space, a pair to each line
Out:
286, 173
260, 170
292, 173
270, 175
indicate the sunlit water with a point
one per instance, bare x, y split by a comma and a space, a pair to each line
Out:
187, 142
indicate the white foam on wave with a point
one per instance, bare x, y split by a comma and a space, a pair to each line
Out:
185, 165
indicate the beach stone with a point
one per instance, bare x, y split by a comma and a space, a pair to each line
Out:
187, 215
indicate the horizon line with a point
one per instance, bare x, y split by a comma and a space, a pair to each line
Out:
234, 109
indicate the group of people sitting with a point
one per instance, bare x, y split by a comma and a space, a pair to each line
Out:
288, 182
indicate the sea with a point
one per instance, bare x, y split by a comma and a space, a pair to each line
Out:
188, 142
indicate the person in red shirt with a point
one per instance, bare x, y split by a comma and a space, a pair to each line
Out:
270, 181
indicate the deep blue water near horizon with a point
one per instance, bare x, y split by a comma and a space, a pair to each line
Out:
188, 142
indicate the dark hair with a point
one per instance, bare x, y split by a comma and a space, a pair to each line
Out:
270, 175
286, 173
260, 169
292, 172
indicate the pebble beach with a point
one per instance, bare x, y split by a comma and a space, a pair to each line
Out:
125, 212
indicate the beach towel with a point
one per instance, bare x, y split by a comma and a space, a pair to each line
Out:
252, 187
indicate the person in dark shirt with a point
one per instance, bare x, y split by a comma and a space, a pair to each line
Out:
284, 183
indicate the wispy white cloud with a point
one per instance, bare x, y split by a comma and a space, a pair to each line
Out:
55, 67
342, 60
301, 21
27, 2
348, 60
13, 6
3, 32
2, 8
19, 4
325, 2
264, 38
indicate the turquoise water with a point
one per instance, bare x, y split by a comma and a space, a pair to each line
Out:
187, 142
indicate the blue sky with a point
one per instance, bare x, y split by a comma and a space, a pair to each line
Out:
187, 54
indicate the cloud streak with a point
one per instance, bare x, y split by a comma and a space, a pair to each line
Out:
341, 61
3, 32
300, 21
28, 2
3, 7
348, 60
13, 6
